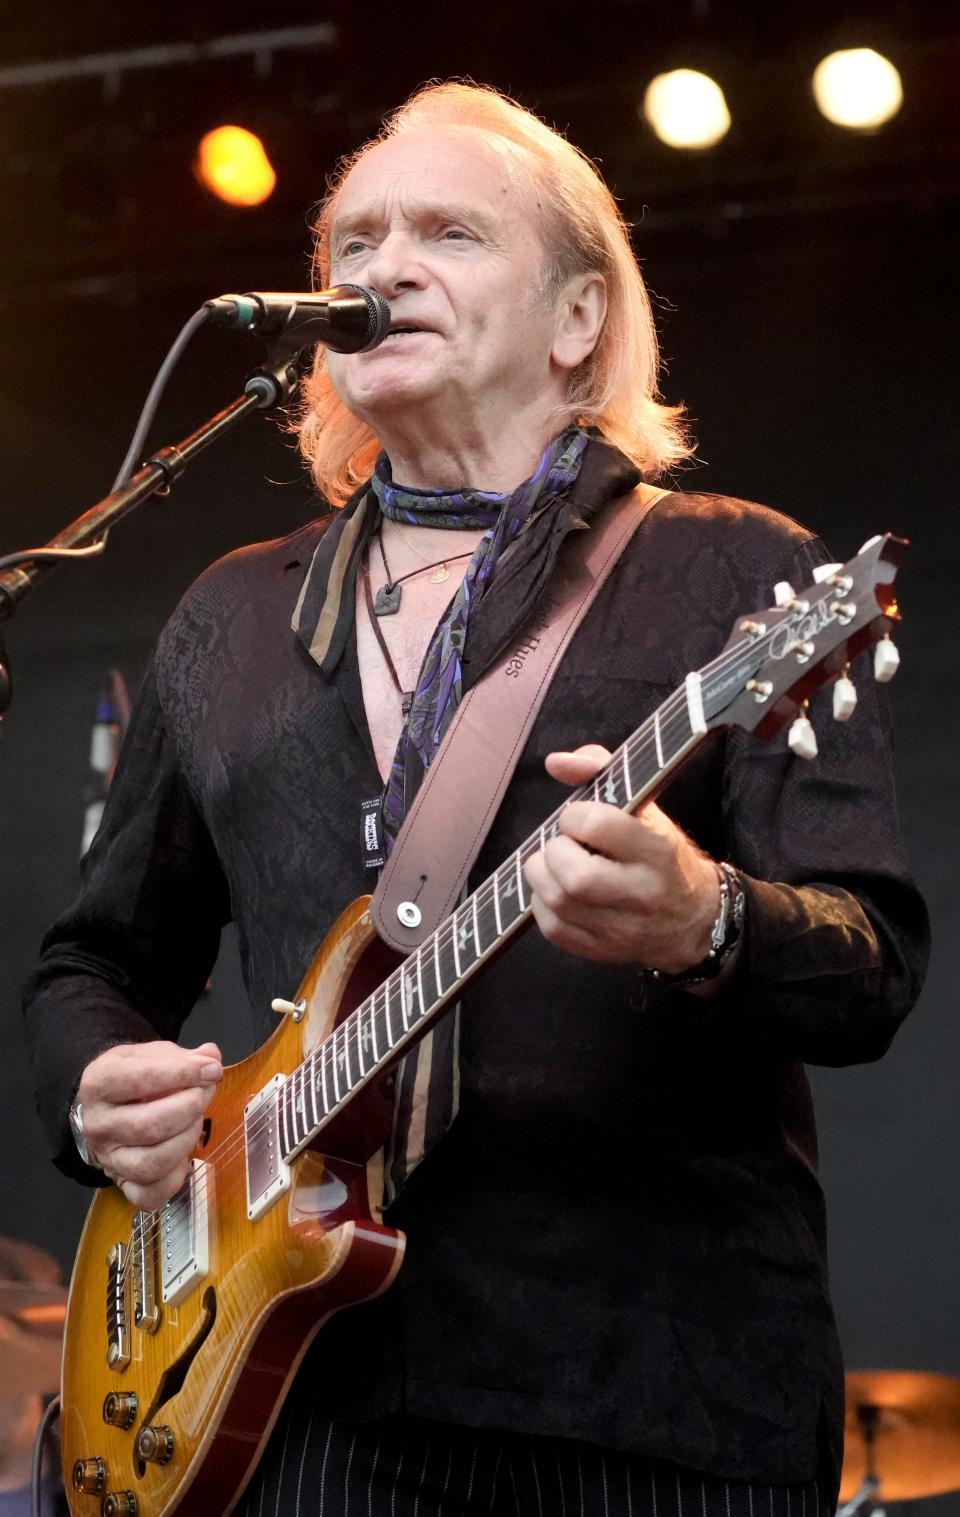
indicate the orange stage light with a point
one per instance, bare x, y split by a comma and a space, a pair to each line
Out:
233, 164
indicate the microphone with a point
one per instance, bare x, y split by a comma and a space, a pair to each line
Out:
346, 318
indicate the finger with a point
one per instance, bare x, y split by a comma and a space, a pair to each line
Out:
575, 878
570, 936
142, 1124
618, 835
579, 766
147, 1165
151, 1197
142, 1071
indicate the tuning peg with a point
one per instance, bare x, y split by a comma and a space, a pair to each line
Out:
886, 660
801, 739
825, 571
783, 593
844, 699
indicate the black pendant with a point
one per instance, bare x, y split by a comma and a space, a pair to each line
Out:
387, 600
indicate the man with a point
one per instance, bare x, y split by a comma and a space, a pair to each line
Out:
614, 1295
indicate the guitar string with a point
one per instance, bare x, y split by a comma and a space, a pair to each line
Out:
328, 1052
348, 1034
675, 706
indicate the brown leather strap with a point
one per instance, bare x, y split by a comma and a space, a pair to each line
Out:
461, 792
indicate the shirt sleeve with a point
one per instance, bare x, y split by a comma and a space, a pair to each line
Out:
129, 959
837, 935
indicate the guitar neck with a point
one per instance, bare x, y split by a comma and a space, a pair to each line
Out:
431, 980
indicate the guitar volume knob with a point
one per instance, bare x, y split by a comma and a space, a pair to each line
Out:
120, 1408
119, 1504
89, 1476
155, 1444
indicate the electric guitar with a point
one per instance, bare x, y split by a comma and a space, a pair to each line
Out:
186, 1326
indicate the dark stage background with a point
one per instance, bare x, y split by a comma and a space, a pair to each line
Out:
809, 319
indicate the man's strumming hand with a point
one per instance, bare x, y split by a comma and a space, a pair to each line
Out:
143, 1106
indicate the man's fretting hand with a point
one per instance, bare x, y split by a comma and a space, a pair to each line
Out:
143, 1106
621, 889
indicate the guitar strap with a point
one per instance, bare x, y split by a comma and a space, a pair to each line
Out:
461, 792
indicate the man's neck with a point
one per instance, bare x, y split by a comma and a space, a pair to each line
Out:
481, 457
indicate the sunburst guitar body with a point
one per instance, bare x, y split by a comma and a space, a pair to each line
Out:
186, 1326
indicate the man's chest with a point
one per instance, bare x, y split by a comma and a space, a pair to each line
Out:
390, 664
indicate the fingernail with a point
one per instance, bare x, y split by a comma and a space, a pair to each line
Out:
211, 1071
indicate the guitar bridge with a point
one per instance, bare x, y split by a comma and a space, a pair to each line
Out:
143, 1253
118, 1288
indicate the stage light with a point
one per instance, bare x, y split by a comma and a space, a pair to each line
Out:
857, 88
686, 109
233, 163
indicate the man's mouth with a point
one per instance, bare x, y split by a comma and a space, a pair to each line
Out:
405, 329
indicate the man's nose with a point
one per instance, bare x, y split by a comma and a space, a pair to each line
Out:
395, 265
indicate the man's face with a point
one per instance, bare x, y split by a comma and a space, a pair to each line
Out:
432, 221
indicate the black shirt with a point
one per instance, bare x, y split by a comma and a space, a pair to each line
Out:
622, 1237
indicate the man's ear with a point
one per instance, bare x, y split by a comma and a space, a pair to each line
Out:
581, 310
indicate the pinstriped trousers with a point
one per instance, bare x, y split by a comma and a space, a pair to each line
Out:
406, 1467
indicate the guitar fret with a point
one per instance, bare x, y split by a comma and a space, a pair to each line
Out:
373, 1027
313, 1093
345, 1044
476, 927
453, 941
627, 782
335, 1052
296, 1112
657, 738
405, 999
420, 981
285, 1114
436, 964
323, 1079
496, 902
520, 901
391, 1040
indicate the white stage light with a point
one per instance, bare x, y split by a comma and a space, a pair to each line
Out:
857, 88
686, 109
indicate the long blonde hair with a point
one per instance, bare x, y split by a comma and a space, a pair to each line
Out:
615, 388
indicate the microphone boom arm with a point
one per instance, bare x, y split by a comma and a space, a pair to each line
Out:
270, 385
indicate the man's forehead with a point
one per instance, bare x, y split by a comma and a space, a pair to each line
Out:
435, 165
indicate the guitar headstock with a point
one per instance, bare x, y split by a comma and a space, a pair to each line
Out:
775, 658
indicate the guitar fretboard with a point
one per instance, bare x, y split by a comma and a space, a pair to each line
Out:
432, 978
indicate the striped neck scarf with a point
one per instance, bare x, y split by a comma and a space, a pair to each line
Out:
439, 686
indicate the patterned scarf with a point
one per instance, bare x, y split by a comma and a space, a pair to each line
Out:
440, 683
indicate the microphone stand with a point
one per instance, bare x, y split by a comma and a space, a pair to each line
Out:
269, 386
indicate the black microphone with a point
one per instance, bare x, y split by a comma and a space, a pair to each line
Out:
346, 318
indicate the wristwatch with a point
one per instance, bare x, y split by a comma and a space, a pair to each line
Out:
75, 1118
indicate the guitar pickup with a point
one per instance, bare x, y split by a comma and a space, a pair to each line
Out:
268, 1172
184, 1235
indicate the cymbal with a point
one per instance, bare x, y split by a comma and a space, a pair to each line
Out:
916, 1450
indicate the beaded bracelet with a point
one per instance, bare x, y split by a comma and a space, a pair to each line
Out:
724, 935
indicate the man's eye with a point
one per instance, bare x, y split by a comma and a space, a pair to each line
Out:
456, 232
351, 247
